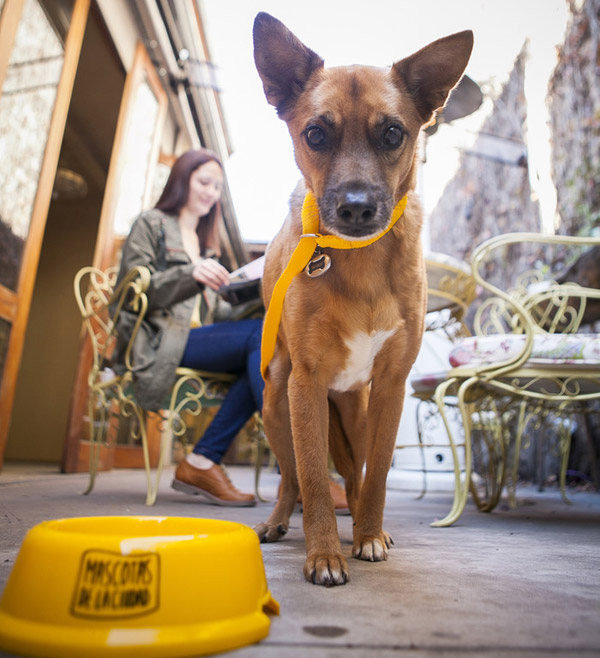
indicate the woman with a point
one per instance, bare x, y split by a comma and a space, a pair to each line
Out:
178, 242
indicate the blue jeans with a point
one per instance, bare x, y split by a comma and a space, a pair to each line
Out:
232, 347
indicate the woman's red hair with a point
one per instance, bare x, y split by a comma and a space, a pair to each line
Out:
175, 194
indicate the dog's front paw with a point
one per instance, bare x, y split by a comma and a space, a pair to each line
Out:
268, 533
373, 549
326, 570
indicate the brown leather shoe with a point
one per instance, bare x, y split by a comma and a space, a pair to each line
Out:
338, 493
212, 483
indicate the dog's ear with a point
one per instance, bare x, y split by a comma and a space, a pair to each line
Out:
283, 62
431, 73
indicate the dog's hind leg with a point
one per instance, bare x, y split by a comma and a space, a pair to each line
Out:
276, 418
347, 439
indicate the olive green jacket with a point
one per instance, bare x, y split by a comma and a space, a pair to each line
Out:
161, 341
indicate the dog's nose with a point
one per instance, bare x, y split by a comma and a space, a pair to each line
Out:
357, 207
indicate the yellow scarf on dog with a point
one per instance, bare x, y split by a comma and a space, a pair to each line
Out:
309, 241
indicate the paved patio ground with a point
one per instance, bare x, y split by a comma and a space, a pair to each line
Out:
511, 584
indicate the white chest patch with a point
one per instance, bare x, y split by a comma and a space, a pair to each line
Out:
359, 363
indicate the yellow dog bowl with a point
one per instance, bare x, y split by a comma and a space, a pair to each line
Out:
131, 586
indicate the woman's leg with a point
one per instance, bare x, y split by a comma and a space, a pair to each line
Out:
237, 407
232, 347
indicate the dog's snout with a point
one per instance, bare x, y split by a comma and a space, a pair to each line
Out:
354, 209
357, 207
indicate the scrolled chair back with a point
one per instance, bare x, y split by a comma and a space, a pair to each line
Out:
100, 305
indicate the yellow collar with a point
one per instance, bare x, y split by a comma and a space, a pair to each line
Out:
309, 241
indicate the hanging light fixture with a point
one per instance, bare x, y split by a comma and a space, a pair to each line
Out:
69, 185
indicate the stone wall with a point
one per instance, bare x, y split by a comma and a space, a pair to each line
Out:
574, 104
489, 194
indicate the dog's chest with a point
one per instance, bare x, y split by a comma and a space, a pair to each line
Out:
363, 348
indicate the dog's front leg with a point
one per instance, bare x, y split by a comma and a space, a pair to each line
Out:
325, 564
371, 542
276, 417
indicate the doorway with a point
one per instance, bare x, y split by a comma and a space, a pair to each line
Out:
45, 382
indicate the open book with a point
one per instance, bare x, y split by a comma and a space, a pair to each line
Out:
249, 272
244, 283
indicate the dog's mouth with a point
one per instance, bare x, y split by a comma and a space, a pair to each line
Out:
355, 210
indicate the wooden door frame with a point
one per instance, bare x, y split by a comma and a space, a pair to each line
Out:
15, 307
9, 22
142, 70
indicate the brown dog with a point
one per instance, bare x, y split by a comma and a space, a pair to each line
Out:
348, 338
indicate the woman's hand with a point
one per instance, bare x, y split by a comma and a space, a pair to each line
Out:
211, 273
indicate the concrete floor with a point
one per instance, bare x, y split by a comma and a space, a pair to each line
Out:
513, 583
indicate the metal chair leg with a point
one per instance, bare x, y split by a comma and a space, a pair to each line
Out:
95, 439
460, 490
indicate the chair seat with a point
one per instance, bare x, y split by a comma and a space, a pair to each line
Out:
428, 382
577, 350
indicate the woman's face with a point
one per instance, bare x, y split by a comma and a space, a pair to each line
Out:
206, 184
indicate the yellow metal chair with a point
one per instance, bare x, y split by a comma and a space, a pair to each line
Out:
450, 291
109, 393
526, 360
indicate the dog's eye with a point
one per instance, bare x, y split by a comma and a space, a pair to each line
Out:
315, 137
393, 137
